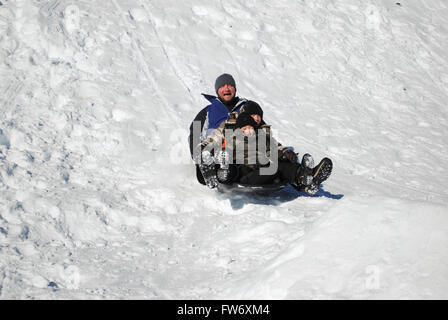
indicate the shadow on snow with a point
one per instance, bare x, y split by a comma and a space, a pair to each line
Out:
238, 200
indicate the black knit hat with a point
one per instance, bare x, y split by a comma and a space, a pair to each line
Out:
244, 119
251, 107
223, 79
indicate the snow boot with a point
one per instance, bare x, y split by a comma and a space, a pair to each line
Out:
208, 170
320, 173
222, 159
209, 174
223, 174
307, 161
304, 174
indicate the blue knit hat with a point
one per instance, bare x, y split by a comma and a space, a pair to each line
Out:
223, 79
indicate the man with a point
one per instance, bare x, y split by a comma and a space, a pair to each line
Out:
213, 117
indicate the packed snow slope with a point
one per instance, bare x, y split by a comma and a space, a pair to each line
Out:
98, 195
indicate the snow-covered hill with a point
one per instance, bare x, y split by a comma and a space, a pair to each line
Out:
98, 196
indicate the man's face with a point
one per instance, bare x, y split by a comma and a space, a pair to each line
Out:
226, 92
257, 118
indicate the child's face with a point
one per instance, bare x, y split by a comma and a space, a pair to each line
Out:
257, 118
248, 131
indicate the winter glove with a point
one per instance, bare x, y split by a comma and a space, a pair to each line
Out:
289, 155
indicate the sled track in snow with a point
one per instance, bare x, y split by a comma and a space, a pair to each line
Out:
148, 73
170, 62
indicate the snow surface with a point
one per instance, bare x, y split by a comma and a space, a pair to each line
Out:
99, 198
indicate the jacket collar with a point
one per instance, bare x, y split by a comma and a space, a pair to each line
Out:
209, 97
212, 98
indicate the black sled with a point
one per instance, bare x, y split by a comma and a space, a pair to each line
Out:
247, 189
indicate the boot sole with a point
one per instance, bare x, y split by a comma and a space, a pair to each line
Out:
322, 173
209, 175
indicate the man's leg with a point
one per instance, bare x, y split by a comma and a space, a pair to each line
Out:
299, 175
287, 172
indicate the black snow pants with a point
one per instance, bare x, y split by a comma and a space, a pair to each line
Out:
287, 172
